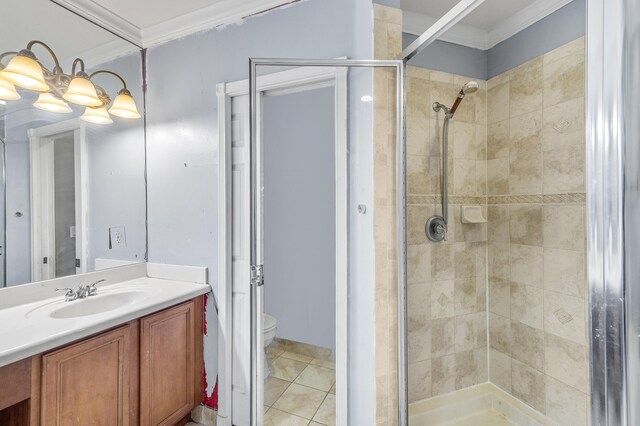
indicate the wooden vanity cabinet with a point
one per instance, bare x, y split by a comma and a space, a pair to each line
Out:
167, 366
92, 382
147, 372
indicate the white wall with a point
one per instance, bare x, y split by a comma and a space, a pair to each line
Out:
299, 215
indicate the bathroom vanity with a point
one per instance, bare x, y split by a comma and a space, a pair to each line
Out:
130, 355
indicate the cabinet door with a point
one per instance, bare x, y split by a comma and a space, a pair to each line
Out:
88, 383
167, 351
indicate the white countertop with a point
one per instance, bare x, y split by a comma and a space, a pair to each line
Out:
28, 329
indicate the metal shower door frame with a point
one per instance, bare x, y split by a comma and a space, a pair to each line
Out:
613, 209
256, 230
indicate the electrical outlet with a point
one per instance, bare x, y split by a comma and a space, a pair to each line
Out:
117, 238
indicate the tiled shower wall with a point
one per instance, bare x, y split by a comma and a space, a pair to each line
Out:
516, 149
446, 281
536, 200
388, 45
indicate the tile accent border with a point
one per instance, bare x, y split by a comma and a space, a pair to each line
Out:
453, 199
569, 198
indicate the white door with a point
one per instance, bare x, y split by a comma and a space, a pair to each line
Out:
241, 285
58, 200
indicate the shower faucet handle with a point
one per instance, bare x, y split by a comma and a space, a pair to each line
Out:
436, 229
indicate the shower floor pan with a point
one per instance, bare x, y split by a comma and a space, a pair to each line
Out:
481, 405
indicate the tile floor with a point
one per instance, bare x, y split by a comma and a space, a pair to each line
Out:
301, 387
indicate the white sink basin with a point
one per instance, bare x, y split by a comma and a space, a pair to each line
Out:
97, 304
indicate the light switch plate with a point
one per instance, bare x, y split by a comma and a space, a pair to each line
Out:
117, 238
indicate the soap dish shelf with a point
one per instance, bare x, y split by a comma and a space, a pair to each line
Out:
472, 214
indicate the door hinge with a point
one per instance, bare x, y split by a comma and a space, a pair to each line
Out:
77, 263
45, 260
257, 275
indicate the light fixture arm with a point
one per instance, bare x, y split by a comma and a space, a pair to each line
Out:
57, 69
73, 67
118, 76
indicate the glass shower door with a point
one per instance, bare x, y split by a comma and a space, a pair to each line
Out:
352, 81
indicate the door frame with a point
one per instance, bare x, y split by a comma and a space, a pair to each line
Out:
42, 232
290, 81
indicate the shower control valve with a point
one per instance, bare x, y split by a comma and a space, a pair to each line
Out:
436, 229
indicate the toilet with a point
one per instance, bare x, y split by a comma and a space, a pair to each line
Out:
269, 328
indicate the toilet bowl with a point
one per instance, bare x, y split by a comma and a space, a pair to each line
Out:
269, 328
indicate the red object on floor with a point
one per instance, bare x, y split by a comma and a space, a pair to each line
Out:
209, 401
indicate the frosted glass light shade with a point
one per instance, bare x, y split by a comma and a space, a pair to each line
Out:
25, 72
48, 102
8, 91
81, 91
97, 116
124, 106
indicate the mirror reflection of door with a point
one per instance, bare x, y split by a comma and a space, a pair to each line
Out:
64, 205
57, 174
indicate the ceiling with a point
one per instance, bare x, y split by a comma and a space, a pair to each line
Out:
489, 24
150, 22
59, 28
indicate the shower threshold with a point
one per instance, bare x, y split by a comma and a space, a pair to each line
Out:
480, 405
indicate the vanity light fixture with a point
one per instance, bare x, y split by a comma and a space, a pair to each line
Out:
8, 91
81, 90
96, 115
55, 87
48, 102
123, 105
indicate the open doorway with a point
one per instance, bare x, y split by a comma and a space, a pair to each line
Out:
59, 200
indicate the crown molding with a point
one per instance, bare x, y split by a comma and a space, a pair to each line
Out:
466, 35
221, 13
524, 18
104, 18
218, 14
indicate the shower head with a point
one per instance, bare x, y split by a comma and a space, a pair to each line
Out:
470, 87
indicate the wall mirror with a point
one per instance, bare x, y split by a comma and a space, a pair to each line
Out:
72, 151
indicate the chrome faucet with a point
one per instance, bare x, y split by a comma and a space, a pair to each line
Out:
92, 289
82, 292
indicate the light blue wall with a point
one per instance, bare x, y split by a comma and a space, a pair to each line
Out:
389, 3
564, 25
449, 57
299, 215
182, 141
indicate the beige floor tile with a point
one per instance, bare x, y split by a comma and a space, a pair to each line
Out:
326, 414
324, 363
275, 417
297, 357
333, 389
274, 388
317, 377
300, 400
287, 369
